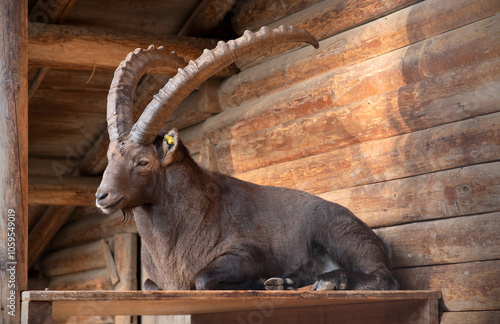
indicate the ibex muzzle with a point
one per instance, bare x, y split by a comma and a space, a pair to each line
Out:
203, 230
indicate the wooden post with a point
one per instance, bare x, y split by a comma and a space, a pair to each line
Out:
13, 157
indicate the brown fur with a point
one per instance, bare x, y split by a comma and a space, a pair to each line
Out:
203, 230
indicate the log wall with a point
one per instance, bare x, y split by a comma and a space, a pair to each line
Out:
395, 116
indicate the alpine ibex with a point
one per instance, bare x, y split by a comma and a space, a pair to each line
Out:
204, 230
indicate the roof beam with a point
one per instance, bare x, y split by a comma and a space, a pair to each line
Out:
81, 48
206, 17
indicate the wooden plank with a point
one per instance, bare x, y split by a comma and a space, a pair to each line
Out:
74, 191
470, 317
99, 49
471, 141
349, 84
199, 302
97, 279
398, 30
13, 158
75, 80
45, 230
126, 264
74, 259
37, 312
395, 312
253, 14
453, 240
471, 91
465, 191
92, 228
110, 262
465, 286
69, 100
206, 17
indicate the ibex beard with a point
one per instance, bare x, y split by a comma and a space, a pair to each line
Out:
204, 230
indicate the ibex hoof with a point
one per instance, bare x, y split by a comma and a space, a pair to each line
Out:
277, 283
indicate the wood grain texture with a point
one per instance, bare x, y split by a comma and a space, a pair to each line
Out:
93, 48
465, 286
346, 85
445, 241
459, 144
472, 91
464, 191
13, 158
73, 191
97, 279
398, 30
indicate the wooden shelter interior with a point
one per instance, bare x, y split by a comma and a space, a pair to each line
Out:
395, 116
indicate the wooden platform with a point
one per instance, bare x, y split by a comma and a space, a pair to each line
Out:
239, 306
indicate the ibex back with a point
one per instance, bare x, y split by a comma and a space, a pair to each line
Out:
204, 230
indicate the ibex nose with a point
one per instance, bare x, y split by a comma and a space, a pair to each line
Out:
101, 196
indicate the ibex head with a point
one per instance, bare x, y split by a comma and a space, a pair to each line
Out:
136, 153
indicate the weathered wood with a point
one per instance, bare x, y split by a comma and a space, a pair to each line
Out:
196, 302
382, 313
395, 31
38, 312
76, 80
471, 91
253, 14
206, 17
90, 229
471, 141
74, 191
465, 286
13, 158
35, 83
346, 85
126, 264
465, 191
97, 279
454, 240
470, 317
93, 48
74, 259
110, 262
45, 229
69, 100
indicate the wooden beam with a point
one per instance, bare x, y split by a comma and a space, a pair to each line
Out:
74, 191
97, 279
253, 14
13, 157
206, 17
93, 48
110, 262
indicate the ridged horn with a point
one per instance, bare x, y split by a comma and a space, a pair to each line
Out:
126, 77
208, 64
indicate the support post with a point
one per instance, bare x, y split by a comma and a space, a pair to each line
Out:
13, 157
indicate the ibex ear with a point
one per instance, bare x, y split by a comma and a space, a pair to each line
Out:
169, 146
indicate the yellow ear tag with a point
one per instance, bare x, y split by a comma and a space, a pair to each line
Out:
170, 140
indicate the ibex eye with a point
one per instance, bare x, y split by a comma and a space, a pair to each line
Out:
142, 162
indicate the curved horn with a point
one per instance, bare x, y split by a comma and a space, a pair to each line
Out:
196, 72
121, 91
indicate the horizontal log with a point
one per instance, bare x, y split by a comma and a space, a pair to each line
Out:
448, 146
465, 191
453, 240
251, 15
97, 279
464, 287
90, 229
77, 80
74, 191
396, 31
345, 85
75, 259
91, 48
470, 91
69, 100
470, 317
